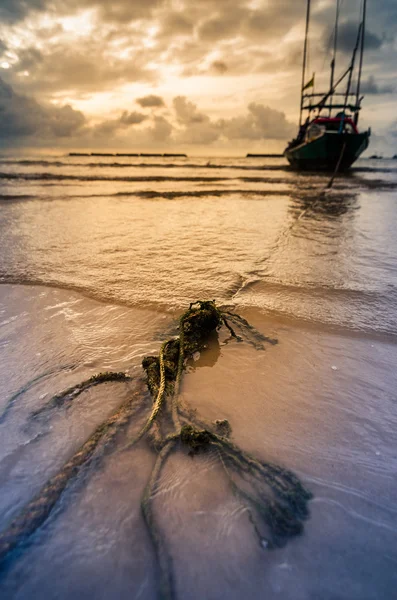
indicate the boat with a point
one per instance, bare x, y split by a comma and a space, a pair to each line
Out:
328, 138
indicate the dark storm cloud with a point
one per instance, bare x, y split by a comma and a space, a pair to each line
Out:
238, 19
347, 37
21, 116
371, 86
12, 11
151, 101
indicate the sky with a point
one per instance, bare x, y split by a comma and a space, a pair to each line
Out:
202, 76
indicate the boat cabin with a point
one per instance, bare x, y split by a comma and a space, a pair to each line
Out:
321, 125
339, 124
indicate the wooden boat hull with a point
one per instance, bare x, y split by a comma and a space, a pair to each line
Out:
323, 153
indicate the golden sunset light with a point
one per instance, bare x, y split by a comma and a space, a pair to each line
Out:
198, 299
98, 58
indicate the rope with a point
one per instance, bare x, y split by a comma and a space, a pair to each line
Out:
271, 493
331, 181
174, 402
162, 555
35, 514
157, 404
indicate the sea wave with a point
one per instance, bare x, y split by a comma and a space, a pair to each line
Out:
154, 194
146, 165
306, 183
139, 178
257, 299
181, 165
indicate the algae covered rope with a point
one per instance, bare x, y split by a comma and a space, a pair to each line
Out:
164, 559
277, 497
174, 402
275, 494
37, 511
72, 392
27, 386
157, 403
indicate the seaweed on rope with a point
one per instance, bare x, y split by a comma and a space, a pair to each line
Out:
275, 499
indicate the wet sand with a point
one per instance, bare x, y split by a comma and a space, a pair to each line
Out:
321, 402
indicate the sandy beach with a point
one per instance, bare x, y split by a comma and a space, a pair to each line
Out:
319, 403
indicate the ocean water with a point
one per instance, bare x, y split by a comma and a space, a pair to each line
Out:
98, 258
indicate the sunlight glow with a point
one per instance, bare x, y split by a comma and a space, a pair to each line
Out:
149, 41
81, 24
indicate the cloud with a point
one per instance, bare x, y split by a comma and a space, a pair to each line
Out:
219, 67
161, 130
261, 122
176, 23
12, 11
24, 120
221, 26
187, 112
151, 101
194, 127
371, 86
347, 36
119, 11
23, 117
110, 126
96, 53
62, 67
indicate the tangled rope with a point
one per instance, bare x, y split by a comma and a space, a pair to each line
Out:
275, 499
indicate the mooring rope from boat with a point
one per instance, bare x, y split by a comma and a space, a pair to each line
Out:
331, 181
284, 233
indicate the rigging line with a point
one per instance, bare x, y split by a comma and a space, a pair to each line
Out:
351, 68
364, 14
333, 61
304, 59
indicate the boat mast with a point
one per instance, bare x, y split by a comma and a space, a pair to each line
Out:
351, 68
334, 55
361, 59
304, 58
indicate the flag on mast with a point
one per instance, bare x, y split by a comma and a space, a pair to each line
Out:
309, 84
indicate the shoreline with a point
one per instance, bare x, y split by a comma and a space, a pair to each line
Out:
317, 403
275, 318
